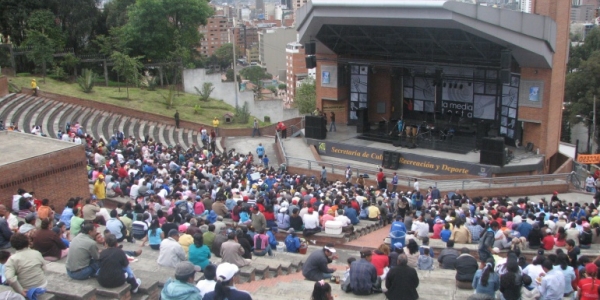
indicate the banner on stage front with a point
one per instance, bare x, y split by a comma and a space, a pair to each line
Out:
588, 158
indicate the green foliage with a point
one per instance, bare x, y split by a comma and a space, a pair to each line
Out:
229, 75
255, 74
267, 119
24, 74
86, 80
224, 55
127, 67
58, 73
42, 48
282, 86
242, 114
43, 21
272, 88
197, 109
116, 12
149, 82
155, 28
306, 96
207, 89
170, 98
70, 62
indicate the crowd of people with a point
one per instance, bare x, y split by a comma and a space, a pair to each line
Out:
192, 204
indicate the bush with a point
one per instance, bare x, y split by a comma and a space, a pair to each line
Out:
86, 80
267, 119
242, 114
25, 74
197, 109
58, 73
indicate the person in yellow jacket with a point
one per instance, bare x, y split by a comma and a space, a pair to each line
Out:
216, 125
100, 188
34, 87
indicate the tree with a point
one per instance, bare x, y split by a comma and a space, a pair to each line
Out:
78, 19
42, 49
43, 20
306, 96
155, 28
116, 12
255, 74
127, 67
224, 55
14, 15
70, 63
207, 89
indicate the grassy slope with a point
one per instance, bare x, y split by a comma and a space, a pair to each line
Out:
141, 99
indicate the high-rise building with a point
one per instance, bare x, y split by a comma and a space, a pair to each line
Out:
260, 9
296, 69
214, 34
273, 44
526, 5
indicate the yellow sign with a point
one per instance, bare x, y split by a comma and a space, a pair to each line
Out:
588, 158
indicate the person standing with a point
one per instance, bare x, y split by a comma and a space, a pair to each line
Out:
380, 177
486, 242
34, 87
216, 125
402, 281
348, 173
260, 151
255, 128
394, 182
176, 116
332, 127
323, 175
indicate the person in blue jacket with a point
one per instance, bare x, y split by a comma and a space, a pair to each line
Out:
260, 151
292, 242
351, 214
272, 239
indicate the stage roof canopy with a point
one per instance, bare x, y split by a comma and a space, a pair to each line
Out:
427, 31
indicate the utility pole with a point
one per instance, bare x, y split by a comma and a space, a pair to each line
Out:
234, 64
594, 124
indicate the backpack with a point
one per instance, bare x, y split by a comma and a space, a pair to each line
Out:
259, 242
183, 207
211, 217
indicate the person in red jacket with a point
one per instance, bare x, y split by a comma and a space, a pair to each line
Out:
380, 258
548, 240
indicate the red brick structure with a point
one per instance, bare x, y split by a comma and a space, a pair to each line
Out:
345, 37
51, 168
3, 85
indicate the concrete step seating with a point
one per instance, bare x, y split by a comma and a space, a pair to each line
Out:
26, 111
153, 276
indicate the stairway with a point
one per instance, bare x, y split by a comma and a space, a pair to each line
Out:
27, 111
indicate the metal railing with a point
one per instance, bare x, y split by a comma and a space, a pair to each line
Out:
406, 181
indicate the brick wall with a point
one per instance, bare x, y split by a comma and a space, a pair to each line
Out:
3, 85
57, 176
113, 109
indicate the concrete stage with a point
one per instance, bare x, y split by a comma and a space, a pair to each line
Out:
345, 144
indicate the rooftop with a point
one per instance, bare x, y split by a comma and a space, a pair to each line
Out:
17, 146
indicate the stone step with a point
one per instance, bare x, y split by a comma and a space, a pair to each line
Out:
16, 110
7, 106
33, 117
59, 116
7, 98
24, 114
88, 121
48, 123
58, 287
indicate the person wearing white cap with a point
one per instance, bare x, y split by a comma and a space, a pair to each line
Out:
224, 288
183, 286
315, 267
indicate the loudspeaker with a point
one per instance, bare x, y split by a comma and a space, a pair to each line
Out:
493, 158
492, 144
505, 59
395, 161
363, 116
311, 62
505, 76
310, 48
315, 133
386, 159
313, 121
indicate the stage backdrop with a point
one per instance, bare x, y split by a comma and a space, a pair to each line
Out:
407, 160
